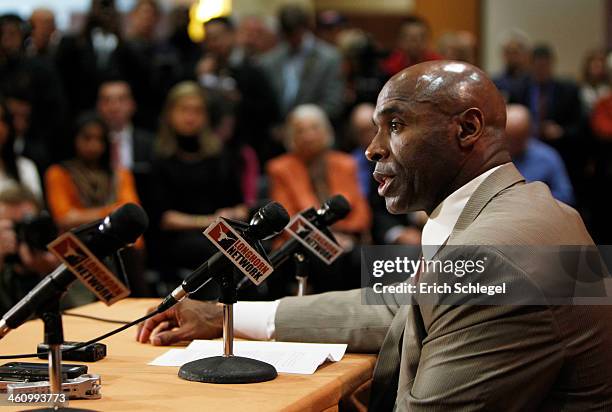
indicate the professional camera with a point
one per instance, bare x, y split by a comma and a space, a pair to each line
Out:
36, 231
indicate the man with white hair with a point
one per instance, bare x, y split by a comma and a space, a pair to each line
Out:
536, 160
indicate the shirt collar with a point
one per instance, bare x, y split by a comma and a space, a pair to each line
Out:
444, 217
123, 134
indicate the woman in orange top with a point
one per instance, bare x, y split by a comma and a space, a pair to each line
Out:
312, 172
86, 187
307, 176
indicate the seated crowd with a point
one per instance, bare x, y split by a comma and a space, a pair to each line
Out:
106, 116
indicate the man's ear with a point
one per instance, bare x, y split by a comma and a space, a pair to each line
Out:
471, 126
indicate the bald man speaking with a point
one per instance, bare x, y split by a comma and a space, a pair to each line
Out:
439, 147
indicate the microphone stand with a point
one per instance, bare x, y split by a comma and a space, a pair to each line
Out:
229, 368
54, 338
301, 271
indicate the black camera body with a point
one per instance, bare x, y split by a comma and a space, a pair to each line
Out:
36, 231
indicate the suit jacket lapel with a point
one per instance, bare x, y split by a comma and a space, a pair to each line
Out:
504, 177
309, 64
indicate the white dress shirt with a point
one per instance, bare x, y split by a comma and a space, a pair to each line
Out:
123, 147
255, 320
28, 175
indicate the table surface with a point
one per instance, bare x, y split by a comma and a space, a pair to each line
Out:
128, 383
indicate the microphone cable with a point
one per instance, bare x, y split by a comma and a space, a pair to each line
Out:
79, 315
92, 341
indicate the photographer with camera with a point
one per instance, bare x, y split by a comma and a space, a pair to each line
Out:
25, 231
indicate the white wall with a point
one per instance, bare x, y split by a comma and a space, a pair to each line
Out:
572, 27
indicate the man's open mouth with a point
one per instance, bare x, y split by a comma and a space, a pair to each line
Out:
384, 181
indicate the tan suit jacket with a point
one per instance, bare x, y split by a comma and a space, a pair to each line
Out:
511, 358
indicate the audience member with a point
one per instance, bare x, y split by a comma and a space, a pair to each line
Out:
595, 79
23, 264
330, 23
131, 147
312, 172
362, 131
516, 53
156, 64
458, 45
412, 46
86, 187
15, 170
556, 112
188, 51
243, 88
195, 181
533, 158
360, 67
601, 153
256, 35
307, 176
85, 58
44, 36
304, 69
32, 79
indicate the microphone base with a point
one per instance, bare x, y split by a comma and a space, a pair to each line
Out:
227, 369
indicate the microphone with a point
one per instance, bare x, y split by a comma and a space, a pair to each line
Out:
267, 222
333, 209
103, 238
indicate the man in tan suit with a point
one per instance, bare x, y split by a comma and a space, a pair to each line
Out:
440, 148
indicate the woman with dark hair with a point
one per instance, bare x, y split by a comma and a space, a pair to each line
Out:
195, 179
15, 170
595, 79
86, 187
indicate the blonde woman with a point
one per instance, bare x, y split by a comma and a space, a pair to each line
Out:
195, 180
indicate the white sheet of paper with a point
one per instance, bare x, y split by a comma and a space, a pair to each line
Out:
286, 357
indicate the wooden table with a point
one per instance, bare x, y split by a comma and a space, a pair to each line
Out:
129, 384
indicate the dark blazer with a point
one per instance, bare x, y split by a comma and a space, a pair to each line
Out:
142, 148
511, 358
563, 103
564, 108
80, 74
321, 82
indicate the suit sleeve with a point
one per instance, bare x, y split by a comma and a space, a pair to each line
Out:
335, 317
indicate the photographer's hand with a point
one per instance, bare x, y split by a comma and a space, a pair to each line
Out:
37, 261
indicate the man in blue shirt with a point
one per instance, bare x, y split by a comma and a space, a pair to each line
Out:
533, 158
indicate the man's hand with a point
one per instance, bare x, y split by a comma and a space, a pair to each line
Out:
187, 320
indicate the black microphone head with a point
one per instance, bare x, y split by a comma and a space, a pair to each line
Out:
333, 209
126, 223
268, 221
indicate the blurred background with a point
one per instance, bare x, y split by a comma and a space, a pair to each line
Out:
203, 108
